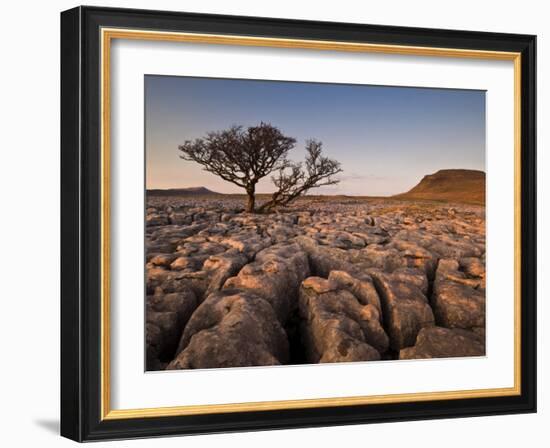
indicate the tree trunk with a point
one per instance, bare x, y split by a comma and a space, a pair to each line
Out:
251, 201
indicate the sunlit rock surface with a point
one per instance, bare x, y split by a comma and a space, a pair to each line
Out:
329, 279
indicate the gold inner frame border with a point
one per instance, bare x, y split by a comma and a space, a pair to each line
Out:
107, 35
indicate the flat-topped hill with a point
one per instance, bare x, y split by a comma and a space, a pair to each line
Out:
467, 186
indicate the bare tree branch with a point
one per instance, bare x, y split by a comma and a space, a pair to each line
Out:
240, 156
319, 171
243, 157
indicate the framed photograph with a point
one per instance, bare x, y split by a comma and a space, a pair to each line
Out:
273, 223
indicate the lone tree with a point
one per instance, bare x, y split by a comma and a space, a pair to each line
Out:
244, 156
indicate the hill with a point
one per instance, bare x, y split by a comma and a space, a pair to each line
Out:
467, 186
192, 191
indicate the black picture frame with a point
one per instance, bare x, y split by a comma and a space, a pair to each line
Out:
81, 224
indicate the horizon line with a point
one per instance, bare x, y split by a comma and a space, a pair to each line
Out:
321, 194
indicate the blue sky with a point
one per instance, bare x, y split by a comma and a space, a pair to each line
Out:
386, 138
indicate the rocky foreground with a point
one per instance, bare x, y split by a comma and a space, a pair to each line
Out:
328, 280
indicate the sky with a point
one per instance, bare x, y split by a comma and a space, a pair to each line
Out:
386, 138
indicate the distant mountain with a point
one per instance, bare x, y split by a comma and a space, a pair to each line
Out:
192, 191
450, 185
